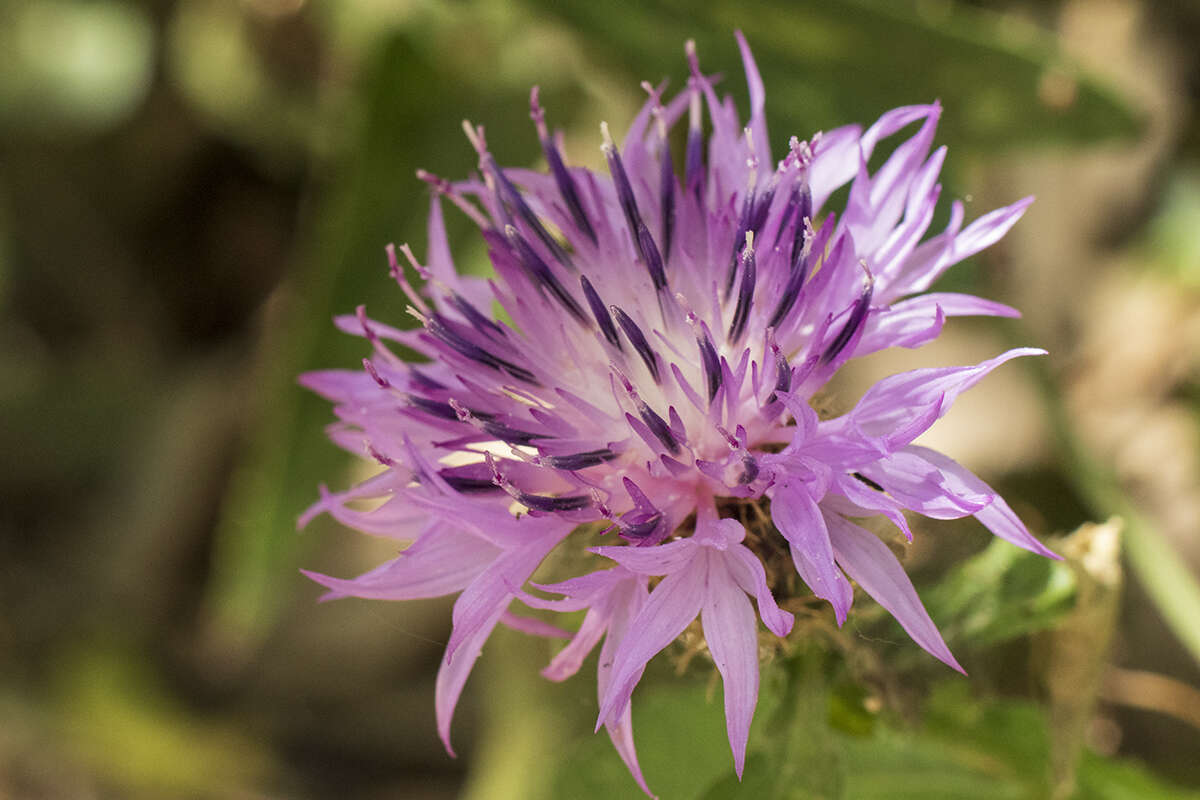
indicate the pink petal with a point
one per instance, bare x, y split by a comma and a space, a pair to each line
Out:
453, 673
870, 562
496, 585
731, 632
998, 517
620, 731
658, 560
799, 519
749, 573
919, 486
533, 626
890, 403
568, 660
443, 561
672, 606
758, 118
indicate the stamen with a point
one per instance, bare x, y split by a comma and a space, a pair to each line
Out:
741, 313
666, 183
799, 273
638, 340
536, 502
657, 425
577, 461
600, 313
540, 271
434, 408
858, 315
642, 239
446, 189
442, 329
487, 424
710, 362
562, 177
474, 315
466, 485
397, 273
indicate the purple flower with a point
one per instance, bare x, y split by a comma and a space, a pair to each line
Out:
668, 334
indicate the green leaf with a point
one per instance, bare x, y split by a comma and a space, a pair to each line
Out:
827, 64
1000, 594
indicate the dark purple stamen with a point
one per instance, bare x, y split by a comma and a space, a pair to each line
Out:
711, 364
540, 271
467, 485
473, 315
858, 315
762, 206
749, 470
666, 195
638, 340
783, 380
867, 481
640, 533
800, 269
642, 239
509, 193
422, 381
658, 426
510, 435
741, 313
739, 240
539, 502
651, 257
562, 177
803, 233
437, 408
576, 461
442, 329
434, 408
600, 312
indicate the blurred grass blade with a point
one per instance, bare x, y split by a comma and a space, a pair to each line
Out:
1004, 82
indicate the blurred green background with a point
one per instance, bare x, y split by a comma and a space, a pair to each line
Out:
190, 189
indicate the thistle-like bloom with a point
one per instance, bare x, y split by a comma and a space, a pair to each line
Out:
664, 337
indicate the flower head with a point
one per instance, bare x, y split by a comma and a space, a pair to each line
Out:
667, 334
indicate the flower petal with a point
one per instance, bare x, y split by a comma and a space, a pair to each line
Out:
997, 516
731, 631
672, 606
799, 519
870, 562
442, 561
749, 573
453, 674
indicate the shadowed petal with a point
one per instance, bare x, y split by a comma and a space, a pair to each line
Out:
453, 673
800, 521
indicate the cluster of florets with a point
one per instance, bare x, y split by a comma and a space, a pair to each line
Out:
666, 337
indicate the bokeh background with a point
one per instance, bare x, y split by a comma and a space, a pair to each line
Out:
190, 189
